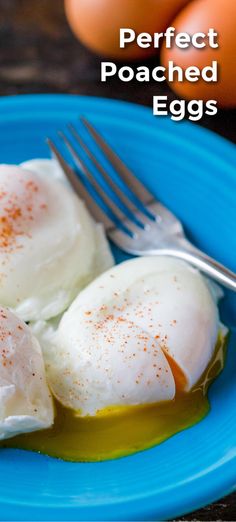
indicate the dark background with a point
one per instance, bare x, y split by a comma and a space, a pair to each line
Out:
38, 54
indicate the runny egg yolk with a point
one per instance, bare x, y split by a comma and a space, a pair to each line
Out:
120, 431
179, 376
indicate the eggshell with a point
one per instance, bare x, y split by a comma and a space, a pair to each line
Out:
199, 16
97, 22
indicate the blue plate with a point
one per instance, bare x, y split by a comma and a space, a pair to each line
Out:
192, 171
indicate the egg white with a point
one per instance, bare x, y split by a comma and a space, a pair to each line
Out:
25, 400
59, 249
116, 343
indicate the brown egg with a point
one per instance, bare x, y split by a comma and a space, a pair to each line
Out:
199, 16
97, 23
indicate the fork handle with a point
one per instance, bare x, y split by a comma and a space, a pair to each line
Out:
206, 264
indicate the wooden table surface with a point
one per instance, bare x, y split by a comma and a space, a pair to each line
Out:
38, 54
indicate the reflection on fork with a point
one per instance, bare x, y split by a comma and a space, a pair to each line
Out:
134, 220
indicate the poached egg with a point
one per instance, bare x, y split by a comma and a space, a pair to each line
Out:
50, 247
25, 400
135, 335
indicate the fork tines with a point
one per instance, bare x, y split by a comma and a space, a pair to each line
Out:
128, 208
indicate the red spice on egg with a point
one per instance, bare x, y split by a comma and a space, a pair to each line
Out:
17, 214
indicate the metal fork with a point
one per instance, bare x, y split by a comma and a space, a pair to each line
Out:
134, 220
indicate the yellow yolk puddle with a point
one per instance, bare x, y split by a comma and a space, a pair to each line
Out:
120, 431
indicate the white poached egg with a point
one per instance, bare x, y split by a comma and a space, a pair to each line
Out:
50, 247
137, 333
25, 400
